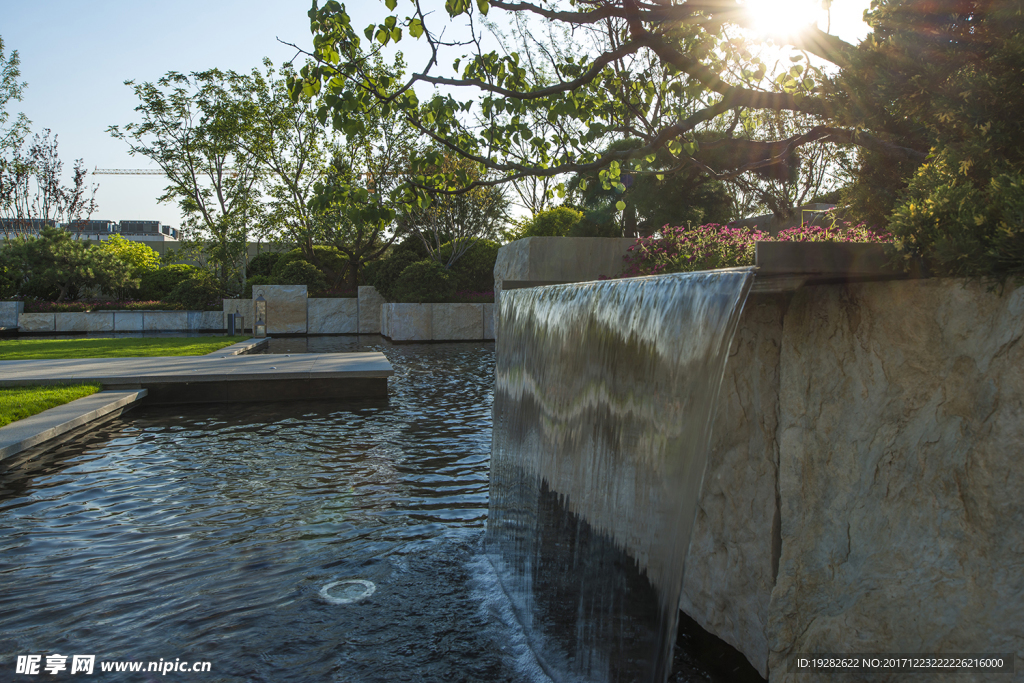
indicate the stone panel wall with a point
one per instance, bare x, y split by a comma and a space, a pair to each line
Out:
286, 308
37, 322
9, 312
436, 322
901, 429
863, 488
332, 316
370, 302
730, 568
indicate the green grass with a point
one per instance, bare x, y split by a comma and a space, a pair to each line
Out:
32, 349
17, 403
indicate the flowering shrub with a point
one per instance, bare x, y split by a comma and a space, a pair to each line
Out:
682, 249
839, 232
40, 306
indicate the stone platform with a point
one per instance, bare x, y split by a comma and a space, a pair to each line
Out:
218, 377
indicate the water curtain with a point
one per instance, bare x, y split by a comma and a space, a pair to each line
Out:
605, 395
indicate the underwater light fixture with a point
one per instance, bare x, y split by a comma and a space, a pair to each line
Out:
360, 589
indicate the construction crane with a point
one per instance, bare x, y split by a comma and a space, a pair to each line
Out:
126, 171
143, 171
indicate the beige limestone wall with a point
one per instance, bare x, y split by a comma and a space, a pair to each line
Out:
9, 312
901, 435
332, 316
730, 568
863, 492
286, 308
370, 302
37, 322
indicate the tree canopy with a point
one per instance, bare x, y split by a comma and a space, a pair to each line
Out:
939, 77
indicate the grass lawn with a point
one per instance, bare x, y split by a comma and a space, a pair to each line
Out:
17, 403
30, 349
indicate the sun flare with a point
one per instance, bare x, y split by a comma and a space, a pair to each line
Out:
782, 17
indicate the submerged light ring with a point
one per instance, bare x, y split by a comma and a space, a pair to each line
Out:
368, 589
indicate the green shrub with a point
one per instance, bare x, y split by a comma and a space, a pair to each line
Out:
196, 293
556, 222
389, 270
424, 282
474, 271
262, 264
596, 223
332, 264
257, 282
303, 273
412, 244
963, 225
156, 285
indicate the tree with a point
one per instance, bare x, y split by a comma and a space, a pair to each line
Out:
681, 76
652, 196
193, 128
456, 220
54, 265
139, 257
368, 177
32, 189
292, 148
12, 131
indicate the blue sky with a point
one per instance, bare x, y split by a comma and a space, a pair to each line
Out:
76, 56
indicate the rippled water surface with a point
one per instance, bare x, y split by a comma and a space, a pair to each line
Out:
207, 532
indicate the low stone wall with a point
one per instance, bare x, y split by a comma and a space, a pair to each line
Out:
289, 311
123, 321
863, 489
437, 322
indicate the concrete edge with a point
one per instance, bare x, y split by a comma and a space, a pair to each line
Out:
239, 348
49, 424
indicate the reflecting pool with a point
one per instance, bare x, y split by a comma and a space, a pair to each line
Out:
206, 533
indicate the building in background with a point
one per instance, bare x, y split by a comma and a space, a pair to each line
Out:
138, 231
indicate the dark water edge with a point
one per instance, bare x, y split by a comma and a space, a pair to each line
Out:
207, 533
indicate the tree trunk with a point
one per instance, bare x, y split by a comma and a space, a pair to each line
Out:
353, 273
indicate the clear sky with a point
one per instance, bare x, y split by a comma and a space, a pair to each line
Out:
75, 57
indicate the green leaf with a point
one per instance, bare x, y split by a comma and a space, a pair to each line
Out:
660, 176
415, 27
620, 205
483, 6
691, 147
391, 4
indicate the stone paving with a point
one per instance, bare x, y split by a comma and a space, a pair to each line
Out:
223, 375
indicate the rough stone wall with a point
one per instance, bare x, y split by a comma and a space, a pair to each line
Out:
730, 569
901, 434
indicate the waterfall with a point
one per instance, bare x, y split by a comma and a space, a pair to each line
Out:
605, 394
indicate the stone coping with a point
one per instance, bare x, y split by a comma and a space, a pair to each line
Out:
50, 424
